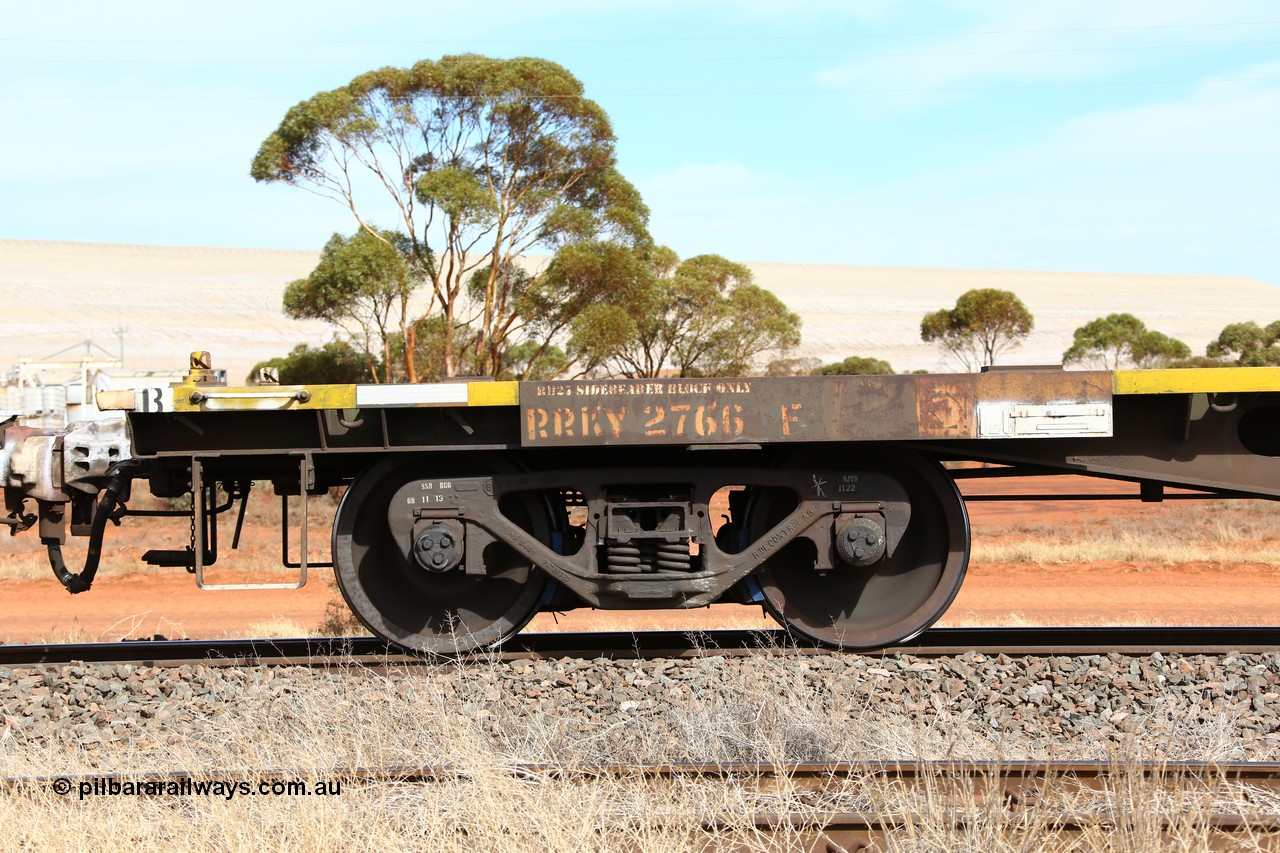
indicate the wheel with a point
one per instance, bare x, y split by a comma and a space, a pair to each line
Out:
891, 600
436, 611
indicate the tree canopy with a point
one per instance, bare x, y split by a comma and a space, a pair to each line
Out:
803, 365
1249, 344
362, 285
984, 323
335, 363
1119, 339
856, 365
479, 161
703, 316
578, 302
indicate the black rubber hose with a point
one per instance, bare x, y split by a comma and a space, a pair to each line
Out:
122, 474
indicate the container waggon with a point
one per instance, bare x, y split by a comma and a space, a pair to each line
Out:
470, 506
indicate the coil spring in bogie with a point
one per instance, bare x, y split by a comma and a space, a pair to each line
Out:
647, 555
673, 556
627, 559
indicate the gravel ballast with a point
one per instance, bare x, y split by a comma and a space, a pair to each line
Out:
775, 707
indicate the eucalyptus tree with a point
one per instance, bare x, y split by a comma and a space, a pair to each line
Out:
1117, 339
362, 285
856, 365
984, 322
1248, 343
334, 363
478, 161
703, 316
585, 299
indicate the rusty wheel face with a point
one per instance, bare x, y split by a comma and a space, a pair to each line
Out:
416, 593
891, 600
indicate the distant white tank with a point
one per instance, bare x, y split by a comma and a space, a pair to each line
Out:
58, 393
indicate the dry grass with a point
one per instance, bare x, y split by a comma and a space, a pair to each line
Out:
727, 617
959, 618
1214, 532
452, 717
73, 633
126, 628
277, 628
339, 621
492, 810
1134, 546
1209, 521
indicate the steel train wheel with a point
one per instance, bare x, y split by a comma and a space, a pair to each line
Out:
890, 601
440, 613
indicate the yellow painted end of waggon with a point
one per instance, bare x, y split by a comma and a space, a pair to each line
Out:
331, 397
224, 398
493, 393
286, 397
1197, 380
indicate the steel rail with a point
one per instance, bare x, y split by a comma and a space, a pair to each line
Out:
838, 832
1013, 781
936, 642
813, 800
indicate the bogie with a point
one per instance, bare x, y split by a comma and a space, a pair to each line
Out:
443, 561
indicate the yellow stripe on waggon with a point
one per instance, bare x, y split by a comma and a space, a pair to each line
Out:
1197, 380
188, 397
332, 396
222, 398
493, 393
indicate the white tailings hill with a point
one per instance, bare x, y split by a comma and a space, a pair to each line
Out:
172, 300
876, 311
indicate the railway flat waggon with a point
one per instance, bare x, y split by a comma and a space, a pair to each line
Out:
469, 506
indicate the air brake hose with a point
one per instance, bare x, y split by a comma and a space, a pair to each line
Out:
121, 475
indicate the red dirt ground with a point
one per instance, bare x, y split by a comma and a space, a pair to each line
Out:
141, 605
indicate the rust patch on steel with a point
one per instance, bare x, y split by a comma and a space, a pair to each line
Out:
1044, 387
944, 409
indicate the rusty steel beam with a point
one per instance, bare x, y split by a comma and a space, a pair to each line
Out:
808, 408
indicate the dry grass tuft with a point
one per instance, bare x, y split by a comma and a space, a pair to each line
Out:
1125, 547
453, 718
339, 621
274, 629
1215, 532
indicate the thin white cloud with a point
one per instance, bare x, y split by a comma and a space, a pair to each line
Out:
1186, 185
1230, 120
1050, 41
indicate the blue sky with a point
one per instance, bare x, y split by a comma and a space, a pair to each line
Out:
1092, 135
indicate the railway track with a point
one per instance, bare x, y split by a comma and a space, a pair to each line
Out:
937, 642
826, 806
854, 806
